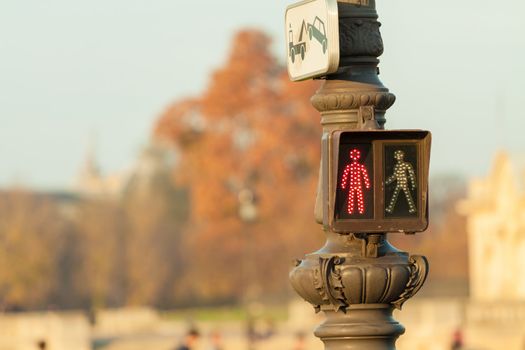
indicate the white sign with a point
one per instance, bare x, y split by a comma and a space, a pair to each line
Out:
312, 39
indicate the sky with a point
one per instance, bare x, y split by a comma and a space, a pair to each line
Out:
99, 72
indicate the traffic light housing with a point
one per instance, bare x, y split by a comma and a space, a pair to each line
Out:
376, 181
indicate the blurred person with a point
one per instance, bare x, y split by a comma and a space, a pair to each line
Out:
300, 341
190, 340
251, 333
269, 329
216, 341
457, 340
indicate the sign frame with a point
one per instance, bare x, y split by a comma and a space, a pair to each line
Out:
377, 139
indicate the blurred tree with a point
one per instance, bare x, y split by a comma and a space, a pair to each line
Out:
251, 129
30, 236
155, 211
128, 248
100, 246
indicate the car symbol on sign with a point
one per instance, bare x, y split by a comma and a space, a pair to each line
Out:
317, 31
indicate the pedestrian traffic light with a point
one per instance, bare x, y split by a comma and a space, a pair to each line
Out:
376, 181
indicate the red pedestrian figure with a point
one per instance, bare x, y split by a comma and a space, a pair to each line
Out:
355, 176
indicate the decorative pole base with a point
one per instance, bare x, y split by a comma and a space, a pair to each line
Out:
358, 288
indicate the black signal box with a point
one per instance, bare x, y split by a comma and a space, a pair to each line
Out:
376, 181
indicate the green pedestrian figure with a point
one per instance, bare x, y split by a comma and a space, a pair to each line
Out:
404, 176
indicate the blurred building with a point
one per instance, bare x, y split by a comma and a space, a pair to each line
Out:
495, 208
153, 164
91, 182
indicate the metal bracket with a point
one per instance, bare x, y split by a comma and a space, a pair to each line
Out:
366, 118
372, 246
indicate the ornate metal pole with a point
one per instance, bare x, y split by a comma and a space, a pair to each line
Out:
356, 279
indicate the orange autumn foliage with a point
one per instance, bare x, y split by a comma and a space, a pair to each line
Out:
251, 129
